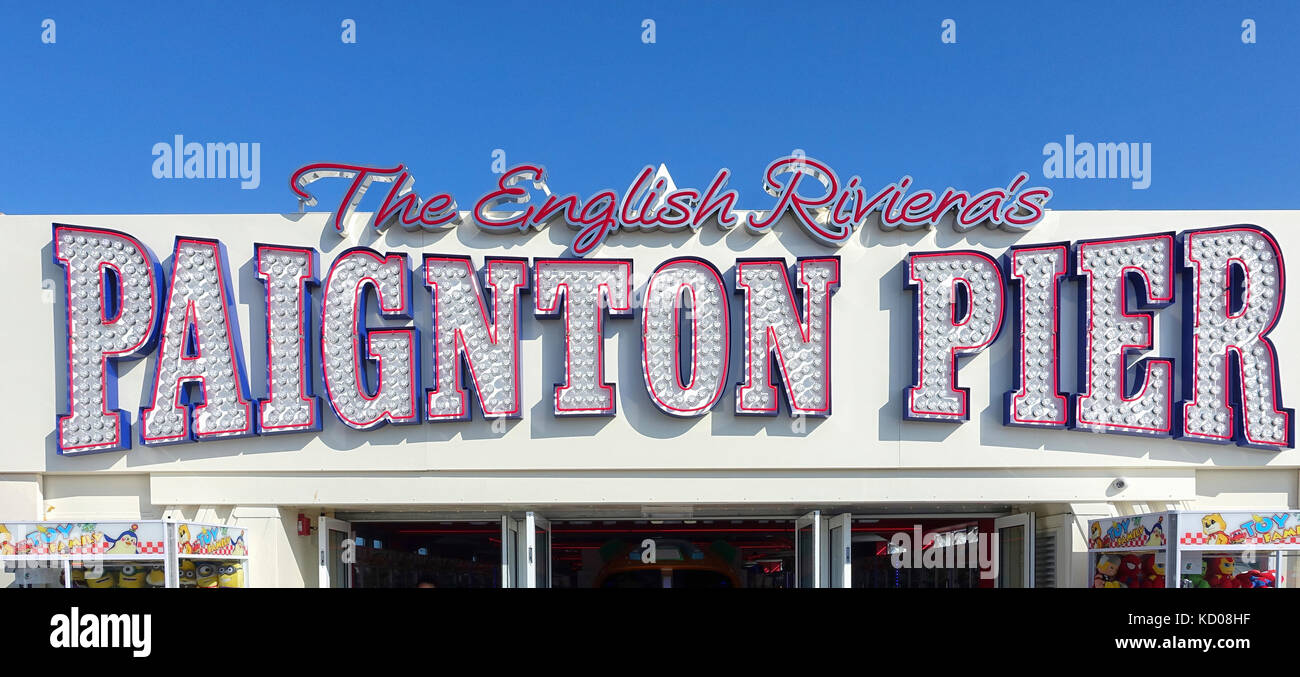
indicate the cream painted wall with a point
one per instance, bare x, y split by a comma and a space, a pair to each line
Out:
540, 488
1245, 489
100, 496
278, 557
21, 497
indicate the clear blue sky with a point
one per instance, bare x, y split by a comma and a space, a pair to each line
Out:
865, 86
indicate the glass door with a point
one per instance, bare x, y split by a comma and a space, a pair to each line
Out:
538, 553
1015, 550
808, 550
526, 551
337, 547
509, 550
839, 551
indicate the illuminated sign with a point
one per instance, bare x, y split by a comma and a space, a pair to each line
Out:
755, 332
828, 209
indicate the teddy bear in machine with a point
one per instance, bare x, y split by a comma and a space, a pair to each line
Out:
1153, 567
1221, 572
1257, 579
1130, 571
1107, 568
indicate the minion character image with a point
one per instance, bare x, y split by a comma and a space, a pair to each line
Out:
132, 576
155, 578
231, 574
1215, 529
106, 579
188, 574
79, 577
124, 544
207, 575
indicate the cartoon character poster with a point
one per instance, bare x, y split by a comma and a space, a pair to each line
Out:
1210, 530
82, 538
1134, 531
205, 539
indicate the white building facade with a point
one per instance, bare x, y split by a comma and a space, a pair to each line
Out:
853, 432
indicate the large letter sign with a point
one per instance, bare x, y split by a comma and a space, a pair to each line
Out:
801, 341
112, 314
288, 273
463, 332
1234, 284
119, 305
583, 291
1036, 271
697, 391
362, 400
1108, 333
200, 347
959, 299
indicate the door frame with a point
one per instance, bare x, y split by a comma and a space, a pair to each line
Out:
532, 523
839, 551
509, 550
324, 525
813, 521
520, 552
1026, 520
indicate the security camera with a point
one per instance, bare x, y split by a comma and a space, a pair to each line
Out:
1119, 483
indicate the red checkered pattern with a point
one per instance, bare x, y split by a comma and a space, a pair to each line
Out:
1192, 538
143, 548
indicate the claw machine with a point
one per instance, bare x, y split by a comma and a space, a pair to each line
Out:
204, 555
1131, 551
1196, 549
122, 554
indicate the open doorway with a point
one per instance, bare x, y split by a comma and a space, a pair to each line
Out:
427, 554
886, 552
703, 553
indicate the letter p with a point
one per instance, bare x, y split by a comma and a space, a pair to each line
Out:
958, 308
